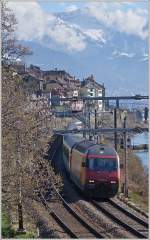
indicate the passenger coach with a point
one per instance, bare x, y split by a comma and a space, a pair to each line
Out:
92, 167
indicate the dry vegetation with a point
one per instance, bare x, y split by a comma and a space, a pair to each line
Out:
137, 177
26, 174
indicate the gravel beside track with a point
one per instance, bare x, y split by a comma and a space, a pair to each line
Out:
63, 225
101, 222
77, 224
122, 219
105, 226
131, 214
128, 208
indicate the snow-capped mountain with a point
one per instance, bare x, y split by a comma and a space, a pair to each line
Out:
83, 44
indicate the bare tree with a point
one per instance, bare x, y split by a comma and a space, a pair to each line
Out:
11, 50
26, 174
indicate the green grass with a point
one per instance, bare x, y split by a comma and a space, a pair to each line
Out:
138, 200
9, 232
24, 235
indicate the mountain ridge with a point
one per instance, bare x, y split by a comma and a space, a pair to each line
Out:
116, 59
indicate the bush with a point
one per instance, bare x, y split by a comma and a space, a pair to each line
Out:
7, 231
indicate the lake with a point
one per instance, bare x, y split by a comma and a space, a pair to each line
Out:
141, 138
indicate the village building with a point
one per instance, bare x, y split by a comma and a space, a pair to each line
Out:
58, 82
90, 88
34, 71
53, 84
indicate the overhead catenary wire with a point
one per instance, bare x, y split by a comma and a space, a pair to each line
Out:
102, 130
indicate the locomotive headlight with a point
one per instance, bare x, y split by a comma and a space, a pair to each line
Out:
91, 181
112, 181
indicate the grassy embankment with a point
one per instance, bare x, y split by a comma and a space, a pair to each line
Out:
137, 179
9, 230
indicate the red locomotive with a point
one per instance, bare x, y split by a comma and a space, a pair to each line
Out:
94, 168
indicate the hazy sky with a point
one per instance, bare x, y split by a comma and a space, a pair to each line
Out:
61, 6
37, 21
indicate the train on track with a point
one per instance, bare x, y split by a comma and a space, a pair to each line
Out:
94, 168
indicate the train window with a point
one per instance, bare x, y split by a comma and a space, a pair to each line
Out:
102, 164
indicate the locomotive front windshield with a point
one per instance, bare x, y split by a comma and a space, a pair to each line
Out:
102, 164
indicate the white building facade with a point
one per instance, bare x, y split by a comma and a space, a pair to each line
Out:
90, 88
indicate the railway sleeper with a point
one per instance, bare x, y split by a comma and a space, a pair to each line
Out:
118, 221
90, 228
133, 216
63, 225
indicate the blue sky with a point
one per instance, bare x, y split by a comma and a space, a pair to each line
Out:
61, 6
86, 34
40, 23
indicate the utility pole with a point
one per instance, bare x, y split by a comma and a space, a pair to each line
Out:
115, 126
85, 113
115, 123
145, 114
95, 118
89, 123
96, 135
95, 114
125, 160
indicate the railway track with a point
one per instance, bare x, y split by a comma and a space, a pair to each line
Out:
77, 226
71, 222
141, 221
74, 224
125, 219
63, 225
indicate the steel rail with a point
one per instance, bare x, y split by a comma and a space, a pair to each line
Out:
85, 224
117, 220
90, 228
76, 216
58, 219
129, 214
63, 225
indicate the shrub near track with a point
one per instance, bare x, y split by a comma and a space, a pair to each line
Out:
137, 178
8, 230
